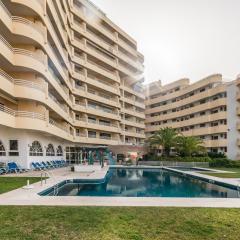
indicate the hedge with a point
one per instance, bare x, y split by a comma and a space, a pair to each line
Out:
176, 158
216, 161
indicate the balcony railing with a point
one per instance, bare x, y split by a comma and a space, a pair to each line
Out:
101, 81
63, 107
32, 115
106, 44
57, 79
106, 137
58, 125
101, 67
29, 84
22, 51
23, 114
27, 22
7, 110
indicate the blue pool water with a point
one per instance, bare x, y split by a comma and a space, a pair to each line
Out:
143, 183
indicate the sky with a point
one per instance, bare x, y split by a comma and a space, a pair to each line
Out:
181, 38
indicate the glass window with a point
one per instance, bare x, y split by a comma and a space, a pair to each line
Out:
2, 149
36, 149
50, 150
13, 148
59, 151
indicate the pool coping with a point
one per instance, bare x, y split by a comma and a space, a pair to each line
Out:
22, 197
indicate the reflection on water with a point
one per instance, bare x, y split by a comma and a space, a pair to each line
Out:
148, 183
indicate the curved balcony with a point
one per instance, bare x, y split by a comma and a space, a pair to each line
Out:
133, 112
133, 92
133, 134
25, 27
85, 123
192, 121
37, 6
96, 111
106, 46
133, 124
215, 143
90, 80
32, 121
199, 108
206, 130
98, 97
26, 89
185, 101
97, 140
95, 67
110, 35
37, 32
189, 88
23, 57
133, 102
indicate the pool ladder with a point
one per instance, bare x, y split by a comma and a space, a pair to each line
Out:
44, 175
55, 190
238, 190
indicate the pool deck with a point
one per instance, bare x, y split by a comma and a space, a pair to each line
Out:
30, 197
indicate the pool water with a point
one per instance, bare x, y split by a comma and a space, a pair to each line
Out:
144, 183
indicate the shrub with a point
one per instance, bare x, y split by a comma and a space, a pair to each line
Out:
216, 160
224, 162
216, 155
153, 157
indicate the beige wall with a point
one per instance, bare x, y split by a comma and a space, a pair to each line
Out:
198, 109
50, 65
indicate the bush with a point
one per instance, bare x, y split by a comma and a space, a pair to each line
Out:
216, 159
216, 155
224, 162
153, 157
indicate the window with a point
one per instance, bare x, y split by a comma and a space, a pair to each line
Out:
59, 151
92, 120
50, 150
2, 149
92, 134
36, 149
105, 123
13, 148
77, 117
105, 136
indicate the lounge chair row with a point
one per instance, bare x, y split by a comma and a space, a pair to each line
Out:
12, 167
48, 165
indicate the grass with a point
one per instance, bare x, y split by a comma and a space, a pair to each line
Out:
235, 174
118, 223
10, 183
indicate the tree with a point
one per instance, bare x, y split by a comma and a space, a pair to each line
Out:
166, 138
187, 146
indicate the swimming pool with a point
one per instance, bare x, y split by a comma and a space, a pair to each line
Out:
123, 182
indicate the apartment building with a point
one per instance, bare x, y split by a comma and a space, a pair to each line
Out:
206, 109
69, 78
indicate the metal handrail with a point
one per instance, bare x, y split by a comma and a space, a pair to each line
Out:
45, 174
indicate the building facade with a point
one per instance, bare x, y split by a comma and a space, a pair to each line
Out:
206, 109
68, 77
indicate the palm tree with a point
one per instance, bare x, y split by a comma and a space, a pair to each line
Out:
166, 138
187, 146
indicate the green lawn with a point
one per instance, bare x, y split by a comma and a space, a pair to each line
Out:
10, 183
101, 223
236, 173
